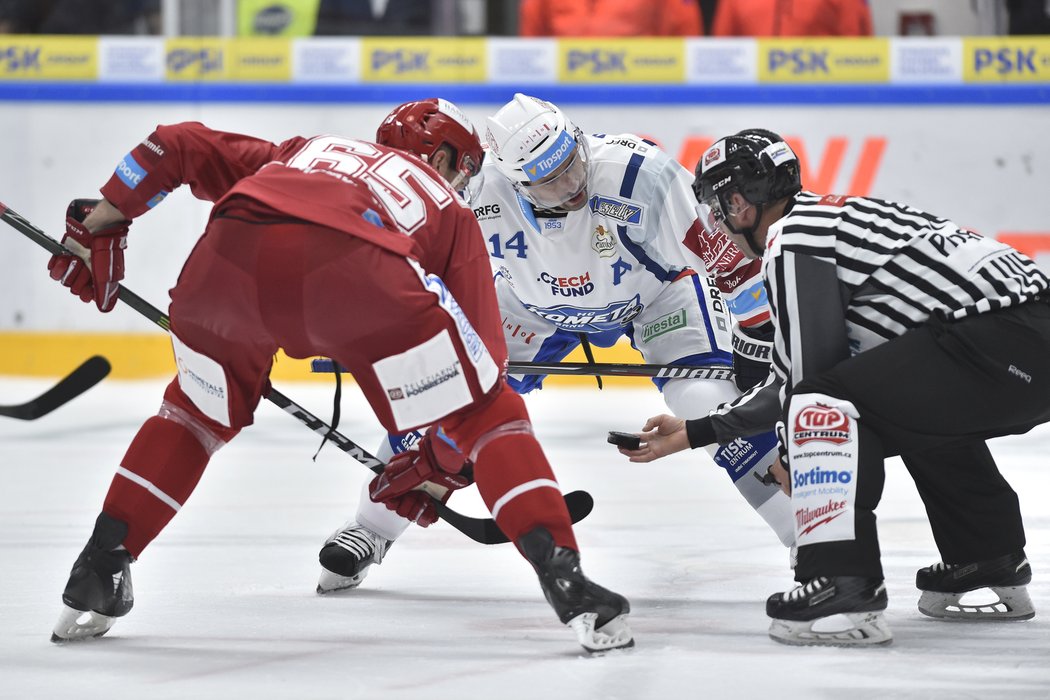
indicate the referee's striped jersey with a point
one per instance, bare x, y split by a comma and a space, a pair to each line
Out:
844, 274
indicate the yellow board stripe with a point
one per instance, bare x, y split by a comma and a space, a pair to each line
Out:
148, 355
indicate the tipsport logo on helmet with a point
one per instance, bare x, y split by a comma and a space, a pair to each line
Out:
820, 423
550, 159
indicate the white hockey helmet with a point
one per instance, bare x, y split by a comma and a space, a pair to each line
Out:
541, 151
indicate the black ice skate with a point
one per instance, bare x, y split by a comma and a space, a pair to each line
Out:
801, 616
99, 586
347, 555
944, 585
597, 616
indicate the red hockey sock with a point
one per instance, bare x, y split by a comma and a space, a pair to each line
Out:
159, 472
517, 484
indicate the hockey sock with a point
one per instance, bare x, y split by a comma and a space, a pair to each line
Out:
159, 472
518, 486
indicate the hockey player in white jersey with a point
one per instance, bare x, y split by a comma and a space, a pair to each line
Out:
593, 238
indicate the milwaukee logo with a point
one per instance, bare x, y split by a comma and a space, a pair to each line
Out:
807, 519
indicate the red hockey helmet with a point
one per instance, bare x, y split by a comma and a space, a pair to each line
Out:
423, 126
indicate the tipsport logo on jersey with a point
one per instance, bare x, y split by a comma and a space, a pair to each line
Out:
660, 60
582, 320
447, 60
1006, 60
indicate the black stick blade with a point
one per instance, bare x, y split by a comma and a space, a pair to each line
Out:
88, 374
486, 531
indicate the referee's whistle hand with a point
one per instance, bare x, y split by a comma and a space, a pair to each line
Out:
661, 435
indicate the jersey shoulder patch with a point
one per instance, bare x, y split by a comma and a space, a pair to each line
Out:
833, 200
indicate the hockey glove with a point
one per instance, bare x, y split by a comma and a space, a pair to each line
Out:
436, 469
97, 266
752, 354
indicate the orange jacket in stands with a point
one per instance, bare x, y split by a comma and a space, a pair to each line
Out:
792, 18
610, 18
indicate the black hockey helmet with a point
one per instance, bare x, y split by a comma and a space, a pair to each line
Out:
757, 163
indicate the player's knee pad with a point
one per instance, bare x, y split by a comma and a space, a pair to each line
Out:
696, 398
205, 436
500, 407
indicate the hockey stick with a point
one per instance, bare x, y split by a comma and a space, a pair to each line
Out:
483, 530
92, 371
586, 369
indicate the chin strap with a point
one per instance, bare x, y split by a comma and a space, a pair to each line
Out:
749, 233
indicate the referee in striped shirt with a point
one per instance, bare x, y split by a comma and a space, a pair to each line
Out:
897, 332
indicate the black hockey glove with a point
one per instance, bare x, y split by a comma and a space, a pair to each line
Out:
752, 354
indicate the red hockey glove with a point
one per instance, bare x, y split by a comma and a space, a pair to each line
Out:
104, 248
435, 469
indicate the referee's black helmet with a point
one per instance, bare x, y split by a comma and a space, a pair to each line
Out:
757, 163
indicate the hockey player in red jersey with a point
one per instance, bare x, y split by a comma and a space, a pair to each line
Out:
321, 246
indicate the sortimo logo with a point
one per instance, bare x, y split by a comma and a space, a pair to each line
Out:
817, 476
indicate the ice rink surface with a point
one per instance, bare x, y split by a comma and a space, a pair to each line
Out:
225, 604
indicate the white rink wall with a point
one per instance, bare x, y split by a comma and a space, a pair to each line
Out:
987, 167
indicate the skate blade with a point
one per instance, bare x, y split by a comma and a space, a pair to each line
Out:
614, 634
865, 629
329, 582
78, 625
1013, 603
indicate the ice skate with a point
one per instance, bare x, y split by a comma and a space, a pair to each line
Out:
99, 587
347, 555
943, 587
841, 611
597, 616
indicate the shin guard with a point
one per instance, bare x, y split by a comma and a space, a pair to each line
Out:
159, 472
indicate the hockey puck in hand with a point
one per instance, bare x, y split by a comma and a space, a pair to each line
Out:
624, 440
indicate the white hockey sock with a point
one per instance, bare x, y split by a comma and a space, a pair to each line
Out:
378, 518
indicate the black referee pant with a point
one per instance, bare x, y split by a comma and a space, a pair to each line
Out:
933, 396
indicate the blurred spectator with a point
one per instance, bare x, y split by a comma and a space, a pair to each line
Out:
80, 16
707, 12
374, 17
792, 18
610, 18
1028, 16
